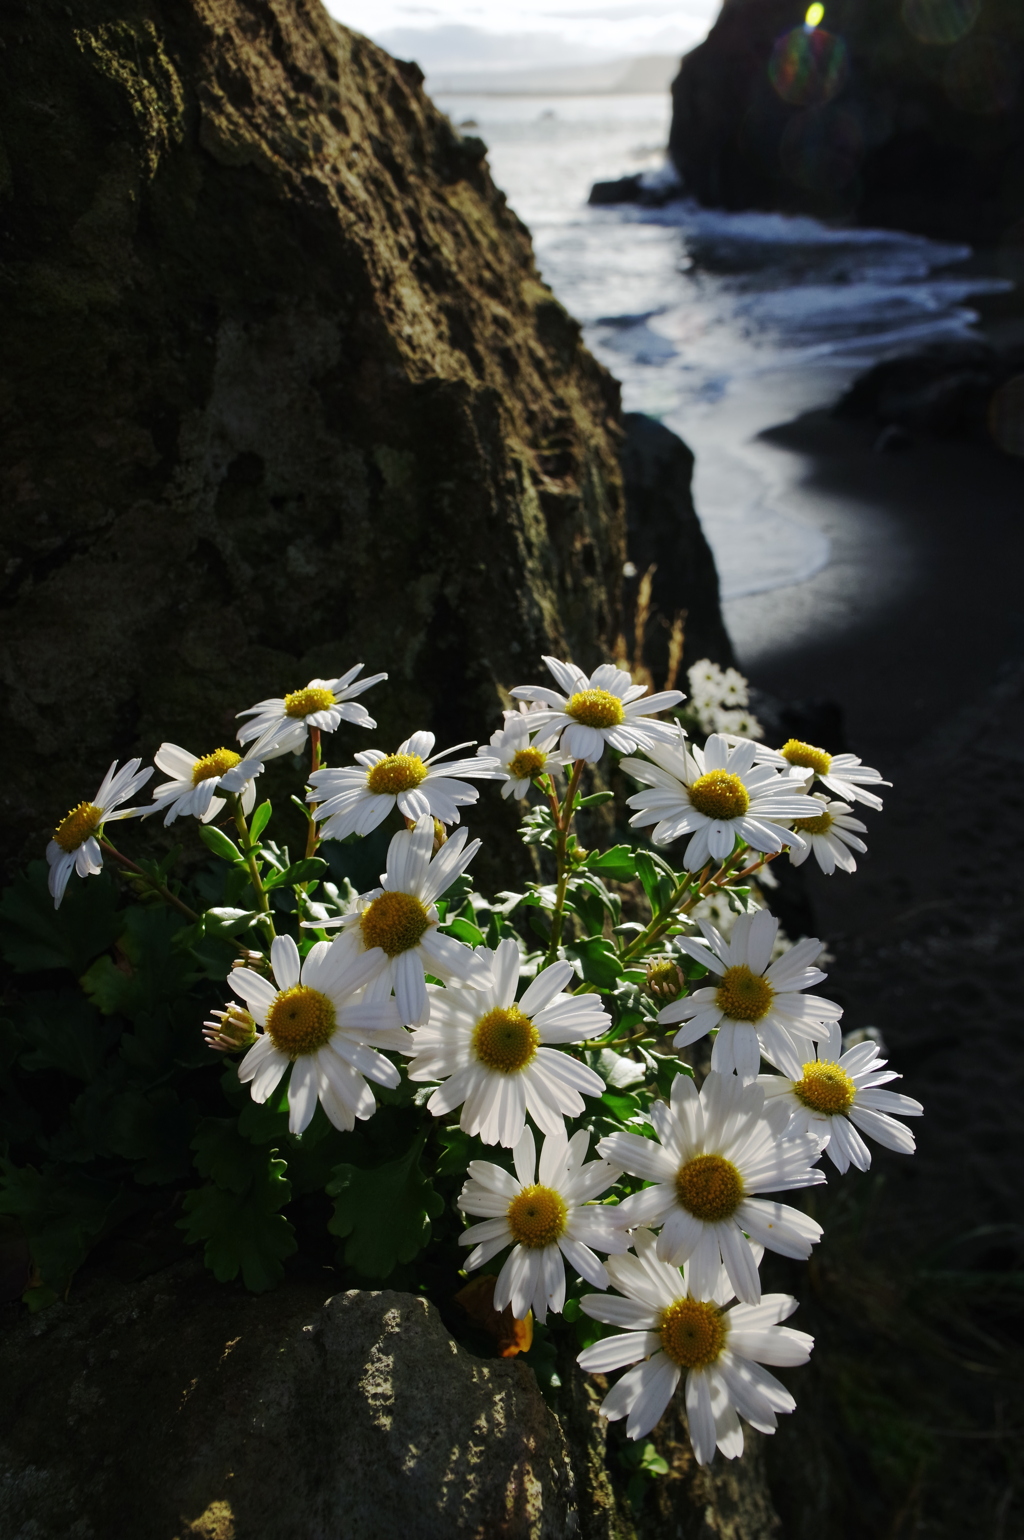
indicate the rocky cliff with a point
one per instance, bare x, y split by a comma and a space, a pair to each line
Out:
280, 390
909, 116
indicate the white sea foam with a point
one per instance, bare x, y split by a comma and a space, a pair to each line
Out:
720, 324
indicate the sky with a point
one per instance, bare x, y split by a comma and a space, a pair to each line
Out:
495, 33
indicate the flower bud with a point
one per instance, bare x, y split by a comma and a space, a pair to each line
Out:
665, 979
232, 1030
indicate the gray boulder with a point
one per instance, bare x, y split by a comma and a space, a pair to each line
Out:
176, 1409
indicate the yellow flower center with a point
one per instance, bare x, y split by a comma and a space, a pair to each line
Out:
807, 756
820, 825
595, 708
526, 763
537, 1217
399, 772
825, 1087
301, 1020
709, 1187
693, 1333
301, 702
74, 829
505, 1040
719, 794
744, 996
217, 763
394, 921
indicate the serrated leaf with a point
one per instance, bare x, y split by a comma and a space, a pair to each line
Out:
617, 864
36, 936
223, 1155
384, 1214
216, 840
259, 821
62, 1213
243, 1232
657, 879
63, 1031
300, 871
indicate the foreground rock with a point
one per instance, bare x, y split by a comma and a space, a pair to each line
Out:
180, 1410
906, 116
280, 390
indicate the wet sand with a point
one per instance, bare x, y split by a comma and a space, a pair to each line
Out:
912, 1420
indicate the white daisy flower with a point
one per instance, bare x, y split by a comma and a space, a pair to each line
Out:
493, 1056
75, 846
673, 1328
705, 680
281, 723
833, 1098
545, 1215
757, 1006
831, 835
319, 1017
400, 918
518, 755
715, 1151
740, 724
843, 774
357, 798
733, 691
604, 710
717, 796
199, 784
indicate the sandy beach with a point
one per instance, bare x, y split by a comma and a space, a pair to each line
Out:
914, 1425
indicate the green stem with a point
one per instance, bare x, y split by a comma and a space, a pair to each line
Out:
563, 820
312, 835
158, 887
249, 852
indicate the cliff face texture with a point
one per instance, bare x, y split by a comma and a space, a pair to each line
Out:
907, 115
280, 390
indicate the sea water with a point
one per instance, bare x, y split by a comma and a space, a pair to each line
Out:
721, 325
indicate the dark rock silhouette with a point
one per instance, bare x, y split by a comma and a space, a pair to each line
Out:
664, 533
908, 116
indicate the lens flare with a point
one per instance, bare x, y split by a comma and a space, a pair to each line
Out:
940, 21
815, 15
808, 68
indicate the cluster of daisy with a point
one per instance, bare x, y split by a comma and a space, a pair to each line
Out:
670, 1219
720, 700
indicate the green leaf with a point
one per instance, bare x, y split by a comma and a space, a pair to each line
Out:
216, 840
243, 1231
62, 1213
36, 936
462, 930
223, 1155
383, 1215
459, 1149
599, 960
658, 880
63, 1031
259, 822
595, 799
300, 871
617, 864
152, 971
